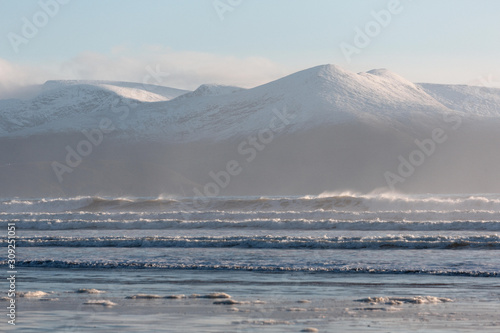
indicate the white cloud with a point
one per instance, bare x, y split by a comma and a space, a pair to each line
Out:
185, 70
153, 65
18, 80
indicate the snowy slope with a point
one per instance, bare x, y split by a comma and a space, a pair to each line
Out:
137, 91
212, 90
316, 97
65, 106
475, 101
344, 131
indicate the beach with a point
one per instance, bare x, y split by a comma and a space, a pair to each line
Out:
272, 264
265, 302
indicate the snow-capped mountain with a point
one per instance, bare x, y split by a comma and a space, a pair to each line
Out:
320, 129
317, 96
65, 106
472, 100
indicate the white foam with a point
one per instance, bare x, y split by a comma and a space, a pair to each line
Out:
214, 295
89, 291
37, 293
361, 268
228, 302
100, 302
342, 211
143, 296
403, 241
387, 309
405, 300
325, 202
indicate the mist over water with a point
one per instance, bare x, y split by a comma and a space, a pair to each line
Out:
320, 129
357, 157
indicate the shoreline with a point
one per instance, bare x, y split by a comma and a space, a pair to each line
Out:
258, 302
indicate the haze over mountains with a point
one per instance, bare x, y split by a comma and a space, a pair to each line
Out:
321, 129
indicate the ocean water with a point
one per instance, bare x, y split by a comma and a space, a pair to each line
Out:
338, 261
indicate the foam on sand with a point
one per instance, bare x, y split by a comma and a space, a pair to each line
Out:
405, 300
37, 293
102, 302
214, 295
228, 302
143, 296
176, 296
389, 309
89, 291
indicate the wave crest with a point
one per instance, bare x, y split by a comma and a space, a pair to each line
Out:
345, 201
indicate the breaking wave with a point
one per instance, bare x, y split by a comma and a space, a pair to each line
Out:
271, 269
491, 242
324, 202
327, 211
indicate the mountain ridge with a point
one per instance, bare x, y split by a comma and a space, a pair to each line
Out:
320, 129
318, 96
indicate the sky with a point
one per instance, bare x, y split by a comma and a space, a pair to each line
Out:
183, 43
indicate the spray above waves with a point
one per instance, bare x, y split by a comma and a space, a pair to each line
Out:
341, 201
342, 211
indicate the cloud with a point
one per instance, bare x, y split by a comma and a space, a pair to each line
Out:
186, 70
162, 66
153, 65
17, 81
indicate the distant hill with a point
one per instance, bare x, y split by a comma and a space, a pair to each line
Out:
320, 129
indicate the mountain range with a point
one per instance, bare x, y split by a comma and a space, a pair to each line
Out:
320, 129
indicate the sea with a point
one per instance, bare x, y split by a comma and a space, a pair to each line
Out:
335, 262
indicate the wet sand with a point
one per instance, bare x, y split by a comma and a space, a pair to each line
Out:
252, 302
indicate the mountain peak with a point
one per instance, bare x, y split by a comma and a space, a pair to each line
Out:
385, 73
379, 71
214, 90
327, 70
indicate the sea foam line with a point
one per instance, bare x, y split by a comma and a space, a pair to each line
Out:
258, 224
270, 269
490, 242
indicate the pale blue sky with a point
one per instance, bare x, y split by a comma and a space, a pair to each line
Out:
449, 41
